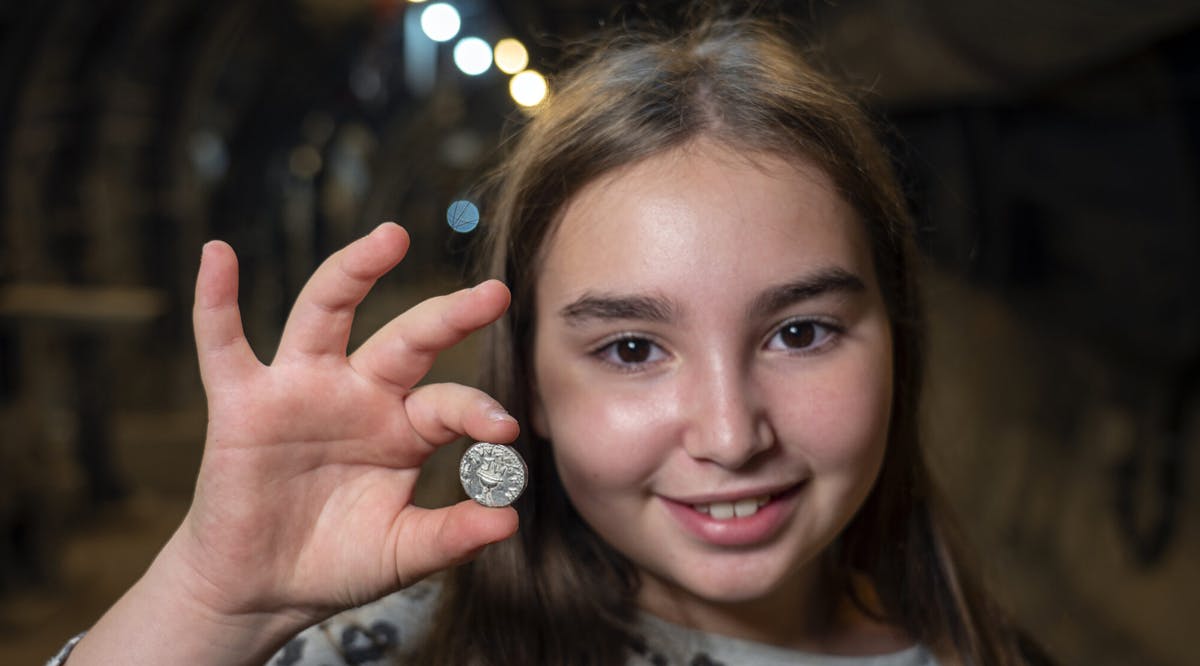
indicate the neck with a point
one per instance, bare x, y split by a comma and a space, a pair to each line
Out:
794, 615
811, 612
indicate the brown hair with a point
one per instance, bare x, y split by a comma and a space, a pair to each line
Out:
558, 594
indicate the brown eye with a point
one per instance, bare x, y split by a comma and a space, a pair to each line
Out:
798, 335
632, 353
633, 350
804, 336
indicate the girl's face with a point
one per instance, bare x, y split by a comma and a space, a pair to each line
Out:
713, 366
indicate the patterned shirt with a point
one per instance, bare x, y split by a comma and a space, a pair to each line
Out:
386, 632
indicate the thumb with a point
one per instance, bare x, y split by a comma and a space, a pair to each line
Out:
436, 539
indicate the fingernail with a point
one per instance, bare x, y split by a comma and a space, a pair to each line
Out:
498, 414
481, 285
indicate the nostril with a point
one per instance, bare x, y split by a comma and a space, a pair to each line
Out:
727, 425
731, 443
766, 434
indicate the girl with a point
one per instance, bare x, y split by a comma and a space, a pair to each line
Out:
712, 349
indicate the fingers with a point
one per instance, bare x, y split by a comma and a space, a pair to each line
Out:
441, 413
216, 320
403, 351
437, 539
324, 311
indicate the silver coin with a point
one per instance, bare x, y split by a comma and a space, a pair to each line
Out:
492, 475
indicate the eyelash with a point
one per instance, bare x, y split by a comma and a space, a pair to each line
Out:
607, 352
827, 334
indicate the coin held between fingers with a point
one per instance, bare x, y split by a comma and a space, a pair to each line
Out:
492, 475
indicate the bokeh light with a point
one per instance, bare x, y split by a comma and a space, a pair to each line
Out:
528, 88
472, 56
304, 162
440, 22
511, 56
462, 216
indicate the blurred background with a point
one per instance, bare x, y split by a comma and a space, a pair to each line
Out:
1050, 149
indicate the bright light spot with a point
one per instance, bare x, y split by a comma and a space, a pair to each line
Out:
472, 55
528, 88
440, 22
463, 216
416, 2
511, 56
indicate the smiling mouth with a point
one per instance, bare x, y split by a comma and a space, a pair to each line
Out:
736, 519
742, 508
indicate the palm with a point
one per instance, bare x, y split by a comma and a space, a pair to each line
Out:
309, 466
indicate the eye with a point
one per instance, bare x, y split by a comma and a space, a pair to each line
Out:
630, 352
803, 335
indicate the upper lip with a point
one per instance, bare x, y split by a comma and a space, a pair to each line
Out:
734, 495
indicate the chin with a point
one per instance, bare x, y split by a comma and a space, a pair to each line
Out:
738, 584
734, 592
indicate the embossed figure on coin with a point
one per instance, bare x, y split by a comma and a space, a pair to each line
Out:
492, 475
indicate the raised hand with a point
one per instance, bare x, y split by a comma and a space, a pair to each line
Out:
302, 506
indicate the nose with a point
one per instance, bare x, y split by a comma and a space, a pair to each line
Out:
730, 424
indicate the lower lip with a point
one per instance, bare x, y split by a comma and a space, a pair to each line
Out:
745, 531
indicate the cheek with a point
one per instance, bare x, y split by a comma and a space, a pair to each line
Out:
602, 439
844, 425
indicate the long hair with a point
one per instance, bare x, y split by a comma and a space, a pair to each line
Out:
558, 594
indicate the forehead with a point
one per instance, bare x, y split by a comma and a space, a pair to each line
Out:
703, 216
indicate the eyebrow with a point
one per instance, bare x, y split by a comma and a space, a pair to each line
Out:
609, 306
821, 283
661, 310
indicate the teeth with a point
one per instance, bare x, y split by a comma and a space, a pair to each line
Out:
746, 507
721, 510
726, 510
